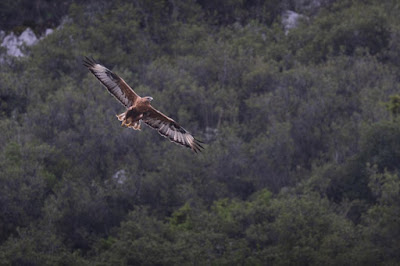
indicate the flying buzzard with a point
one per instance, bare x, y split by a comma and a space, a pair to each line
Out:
139, 108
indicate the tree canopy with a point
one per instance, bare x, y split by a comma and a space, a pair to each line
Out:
302, 135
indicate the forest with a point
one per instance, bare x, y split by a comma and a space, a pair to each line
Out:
301, 127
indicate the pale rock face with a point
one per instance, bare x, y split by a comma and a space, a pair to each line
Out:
28, 37
290, 20
120, 176
48, 32
13, 43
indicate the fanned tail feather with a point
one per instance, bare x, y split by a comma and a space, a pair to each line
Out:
121, 117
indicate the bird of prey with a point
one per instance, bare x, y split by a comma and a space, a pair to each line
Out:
139, 108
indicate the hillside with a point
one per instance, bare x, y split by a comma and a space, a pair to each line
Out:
301, 128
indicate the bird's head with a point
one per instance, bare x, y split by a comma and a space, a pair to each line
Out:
148, 99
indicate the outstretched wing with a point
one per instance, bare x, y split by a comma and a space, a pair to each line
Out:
114, 84
168, 128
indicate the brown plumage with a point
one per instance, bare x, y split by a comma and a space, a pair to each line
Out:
139, 108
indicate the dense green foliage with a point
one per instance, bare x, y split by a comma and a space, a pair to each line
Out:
302, 133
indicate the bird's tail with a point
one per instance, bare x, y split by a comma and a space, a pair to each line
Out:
121, 117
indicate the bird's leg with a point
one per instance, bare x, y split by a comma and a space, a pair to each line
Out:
126, 120
130, 119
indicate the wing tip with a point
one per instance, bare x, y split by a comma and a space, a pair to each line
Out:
196, 146
186, 139
89, 62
